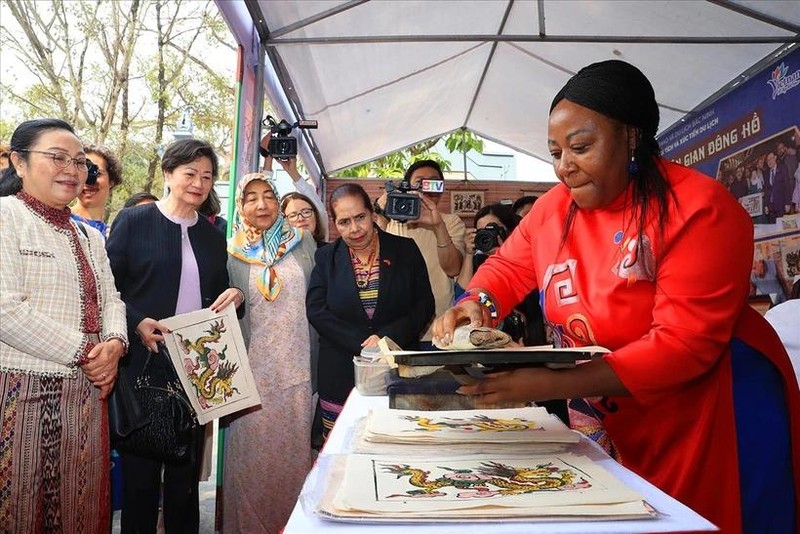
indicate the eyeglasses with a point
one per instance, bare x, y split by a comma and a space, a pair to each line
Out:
62, 161
304, 213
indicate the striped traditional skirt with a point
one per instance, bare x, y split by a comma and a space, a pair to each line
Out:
54, 455
330, 412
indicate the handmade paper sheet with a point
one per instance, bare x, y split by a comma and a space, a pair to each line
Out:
514, 425
208, 352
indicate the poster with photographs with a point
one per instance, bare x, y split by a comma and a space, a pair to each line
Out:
761, 177
208, 352
466, 203
776, 262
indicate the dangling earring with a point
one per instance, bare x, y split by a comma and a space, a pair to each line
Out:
633, 143
633, 166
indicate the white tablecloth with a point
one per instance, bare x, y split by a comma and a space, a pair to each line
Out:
675, 517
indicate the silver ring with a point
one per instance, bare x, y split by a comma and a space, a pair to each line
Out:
103, 376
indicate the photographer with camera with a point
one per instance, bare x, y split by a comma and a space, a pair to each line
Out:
439, 236
493, 224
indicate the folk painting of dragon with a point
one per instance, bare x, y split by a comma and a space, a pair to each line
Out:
206, 366
486, 481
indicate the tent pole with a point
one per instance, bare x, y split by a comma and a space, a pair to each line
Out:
464, 150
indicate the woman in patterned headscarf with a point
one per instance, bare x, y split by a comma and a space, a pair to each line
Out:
272, 261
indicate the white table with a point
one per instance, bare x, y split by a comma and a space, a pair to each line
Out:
675, 517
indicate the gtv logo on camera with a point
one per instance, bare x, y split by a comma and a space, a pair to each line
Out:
433, 186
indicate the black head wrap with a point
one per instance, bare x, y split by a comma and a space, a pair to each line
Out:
617, 90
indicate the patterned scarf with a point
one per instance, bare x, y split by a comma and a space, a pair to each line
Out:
262, 247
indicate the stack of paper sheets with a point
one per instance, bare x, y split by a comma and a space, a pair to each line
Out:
509, 426
480, 464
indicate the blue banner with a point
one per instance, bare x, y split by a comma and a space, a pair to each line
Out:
749, 140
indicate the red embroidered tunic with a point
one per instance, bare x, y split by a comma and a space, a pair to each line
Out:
669, 317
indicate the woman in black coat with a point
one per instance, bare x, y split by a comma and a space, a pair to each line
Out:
167, 260
365, 285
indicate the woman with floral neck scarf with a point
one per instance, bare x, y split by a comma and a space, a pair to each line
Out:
272, 261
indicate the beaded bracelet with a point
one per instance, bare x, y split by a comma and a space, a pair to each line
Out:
484, 299
488, 303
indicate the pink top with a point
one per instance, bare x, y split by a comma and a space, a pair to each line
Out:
189, 298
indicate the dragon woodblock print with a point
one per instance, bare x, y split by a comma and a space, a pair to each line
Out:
206, 366
485, 481
208, 351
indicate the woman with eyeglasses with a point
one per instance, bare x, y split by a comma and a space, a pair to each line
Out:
315, 222
300, 211
167, 260
272, 261
91, 205
62, 332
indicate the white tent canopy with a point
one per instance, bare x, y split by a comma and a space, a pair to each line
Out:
381, 75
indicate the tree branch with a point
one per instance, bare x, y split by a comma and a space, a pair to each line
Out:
202, 64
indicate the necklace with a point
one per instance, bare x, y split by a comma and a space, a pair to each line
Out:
363, 270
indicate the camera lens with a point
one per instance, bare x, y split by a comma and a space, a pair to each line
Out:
489, 237
485, 240
283, 146
403, 206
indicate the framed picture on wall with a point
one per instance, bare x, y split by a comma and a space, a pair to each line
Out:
465, 203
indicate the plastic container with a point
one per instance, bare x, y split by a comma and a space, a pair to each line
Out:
370, 376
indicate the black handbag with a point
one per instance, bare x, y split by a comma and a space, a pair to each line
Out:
169, 434
124, 412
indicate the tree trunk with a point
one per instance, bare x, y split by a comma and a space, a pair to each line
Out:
152, 167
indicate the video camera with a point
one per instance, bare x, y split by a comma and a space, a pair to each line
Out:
400, 204
489, 237
93, 172
283, 145
403, 205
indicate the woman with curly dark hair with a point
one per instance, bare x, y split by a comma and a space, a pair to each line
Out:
90, 207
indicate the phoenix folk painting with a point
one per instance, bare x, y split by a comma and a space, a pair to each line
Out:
208, 352
482, 481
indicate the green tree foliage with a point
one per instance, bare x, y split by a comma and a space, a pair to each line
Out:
394, 165
96, 64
